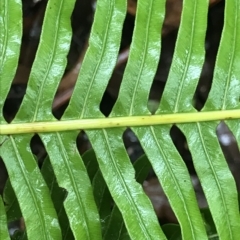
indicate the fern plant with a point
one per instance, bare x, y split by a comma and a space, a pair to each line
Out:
132, 216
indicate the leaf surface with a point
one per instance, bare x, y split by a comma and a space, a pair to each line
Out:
210, 165
156, 141
115, 228
31, 190
48, 68
78, 191
10, 42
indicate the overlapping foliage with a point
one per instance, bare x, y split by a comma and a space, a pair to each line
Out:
76, 180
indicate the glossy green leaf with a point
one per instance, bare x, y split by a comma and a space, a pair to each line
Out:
34, 201
143, 60
156, 141
65, 180
215, 176
209, 164
49, 64
115, 226
71, 175
31, 190
10, 42
118, 173
112, 171
48, 68
112, 157
171, 171
3, 222
226, 97
99, 60
225, 92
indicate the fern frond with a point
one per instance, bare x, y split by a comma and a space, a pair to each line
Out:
85, 185
10, 42
212, 170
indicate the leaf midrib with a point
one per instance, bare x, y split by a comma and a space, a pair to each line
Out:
116, 122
